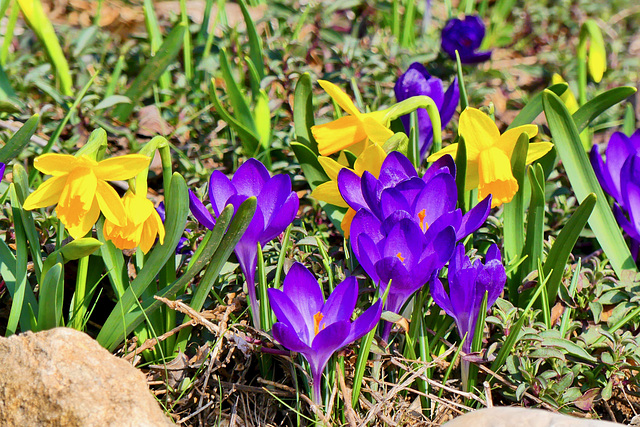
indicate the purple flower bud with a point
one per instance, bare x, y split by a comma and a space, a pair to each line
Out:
465, 36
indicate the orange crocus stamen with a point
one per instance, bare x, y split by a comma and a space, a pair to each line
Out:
317, 318
400, 257
423, 225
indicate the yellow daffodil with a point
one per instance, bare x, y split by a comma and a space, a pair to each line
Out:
370, 160
489, 155
349, 130
141, 226
79, 187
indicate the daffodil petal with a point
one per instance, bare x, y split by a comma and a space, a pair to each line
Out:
110, 204
328, 192
478, 130
330, 166
340, 97
449, 149
495, 177
121, 167
47, 194
346, 222
537, 150
78, 194
370, 160
338, 134
508, 140
375, 130
55, 164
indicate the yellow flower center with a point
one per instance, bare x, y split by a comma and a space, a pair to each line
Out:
317, 318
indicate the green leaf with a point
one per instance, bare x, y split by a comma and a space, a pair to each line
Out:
152, 71
592, 109
51, 298
534, 107
262, 119
569, 347
177, 209
111, 101
19, 140
255, 41
514, 215
561, 249
18, 313
303, 113
583, 180
535, 223
461, 173
464, 101
240, 106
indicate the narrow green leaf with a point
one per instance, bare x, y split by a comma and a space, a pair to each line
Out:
51, 298
255, 42
152, 71
629, 126
177, 209
19, 140
561, 249
111, 101
592, 109
303, 113
464, 101
18, 313
583, 180
534, 107
514, 215
240, 106
21, 183
262, 119
461, 174
569, 347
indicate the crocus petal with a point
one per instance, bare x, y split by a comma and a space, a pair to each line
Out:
249, 179
338, 134
440, 297
110, 203
495, 177
396, 168
220, 191
478, 130
367, 254
121, 167
289, 314
604, 176
474, 219
55, 164
365, 322
341, 302
624, 223
328, 341
340, 97
200, 212
492, 279
450, 102
288, 337
304, 291
278, 223
438, 197
630, 178
47, 194
349, 185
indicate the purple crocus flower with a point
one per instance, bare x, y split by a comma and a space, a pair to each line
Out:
406, 227
468, 283
417, 81
315, 328
465, 36
276, 208
620, 178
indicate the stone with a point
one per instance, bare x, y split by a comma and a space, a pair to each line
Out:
62, 377
522, 417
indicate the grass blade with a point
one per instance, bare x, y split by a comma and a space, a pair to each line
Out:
592, 109
19, 140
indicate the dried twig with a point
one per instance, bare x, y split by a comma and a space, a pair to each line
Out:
150, 343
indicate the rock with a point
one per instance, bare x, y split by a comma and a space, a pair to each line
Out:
522, 417
62, 377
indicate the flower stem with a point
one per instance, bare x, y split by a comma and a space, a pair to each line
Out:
79, 305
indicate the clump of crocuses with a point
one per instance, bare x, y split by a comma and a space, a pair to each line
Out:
276, 208
406, 227
620, 178
314, 328
417, 81
465, 36
468, 282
